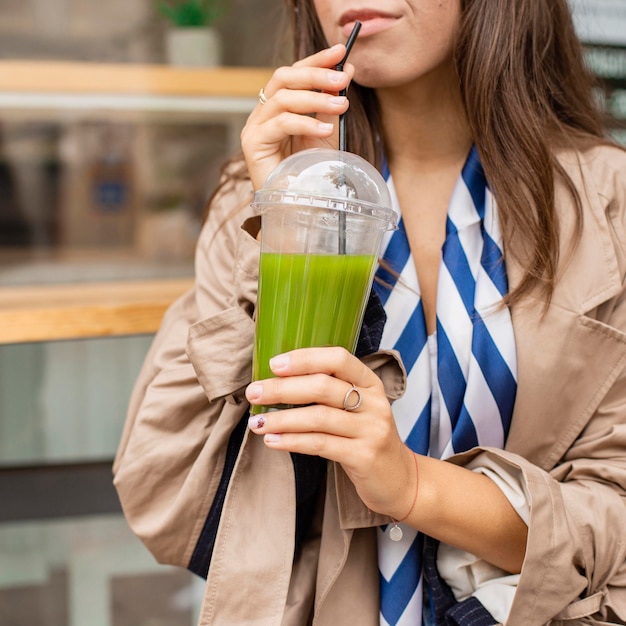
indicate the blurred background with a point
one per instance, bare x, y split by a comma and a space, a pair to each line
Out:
111, 139
113, 126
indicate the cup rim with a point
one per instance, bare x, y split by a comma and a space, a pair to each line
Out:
266, 199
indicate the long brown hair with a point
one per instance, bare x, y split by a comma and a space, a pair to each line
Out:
526, 91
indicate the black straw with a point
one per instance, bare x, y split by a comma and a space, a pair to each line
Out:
342, 130
339, 67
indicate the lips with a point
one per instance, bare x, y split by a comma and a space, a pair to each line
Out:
363, 15
373, 21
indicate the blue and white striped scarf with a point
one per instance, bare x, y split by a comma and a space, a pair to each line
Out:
470, 402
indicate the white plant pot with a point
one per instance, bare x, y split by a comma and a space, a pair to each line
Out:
197, 47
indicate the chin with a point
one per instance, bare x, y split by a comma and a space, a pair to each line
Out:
376, 80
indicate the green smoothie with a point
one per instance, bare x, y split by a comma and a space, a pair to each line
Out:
308, 300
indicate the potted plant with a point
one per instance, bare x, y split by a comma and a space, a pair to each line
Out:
192, 38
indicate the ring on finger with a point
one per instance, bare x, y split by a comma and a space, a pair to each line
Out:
262, 96
347, 406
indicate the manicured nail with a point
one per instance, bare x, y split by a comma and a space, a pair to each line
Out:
254, 392
281, 361
335, 77
272, 438
256, 421
337, 99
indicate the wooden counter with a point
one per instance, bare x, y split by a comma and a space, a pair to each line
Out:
41, 91
79, 311
46, 77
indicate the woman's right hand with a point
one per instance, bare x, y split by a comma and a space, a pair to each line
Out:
302, 111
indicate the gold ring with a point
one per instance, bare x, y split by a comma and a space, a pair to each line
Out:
262, 98
346, 401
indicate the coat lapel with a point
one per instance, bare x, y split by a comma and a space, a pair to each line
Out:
567, 358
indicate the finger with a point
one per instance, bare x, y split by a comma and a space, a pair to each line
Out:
330, 447
303, 114
302, 102
268, 135
335, 361
313, 73
351, 453
320, 389
291, 113
306, 78
329, 57
307, 419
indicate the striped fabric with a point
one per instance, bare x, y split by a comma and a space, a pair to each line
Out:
470, 400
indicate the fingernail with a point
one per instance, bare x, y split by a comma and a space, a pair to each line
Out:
272, 438
281, 361
256, 421
337, 99
325, 126
253, 392
337, 45
335, 77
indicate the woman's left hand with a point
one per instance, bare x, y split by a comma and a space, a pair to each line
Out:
364, 441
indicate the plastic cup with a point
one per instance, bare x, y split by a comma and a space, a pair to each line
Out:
323, 216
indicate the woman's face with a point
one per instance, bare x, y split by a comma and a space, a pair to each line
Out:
400, 40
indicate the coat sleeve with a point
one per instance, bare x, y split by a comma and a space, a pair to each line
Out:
578, 509
188, 399
575, 562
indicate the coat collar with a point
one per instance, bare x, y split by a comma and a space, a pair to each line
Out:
591, 274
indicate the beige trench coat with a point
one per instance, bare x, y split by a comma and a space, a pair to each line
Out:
568, 439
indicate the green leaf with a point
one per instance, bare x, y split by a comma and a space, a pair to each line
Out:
191, 13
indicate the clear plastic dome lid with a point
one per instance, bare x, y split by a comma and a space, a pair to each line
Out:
329, 179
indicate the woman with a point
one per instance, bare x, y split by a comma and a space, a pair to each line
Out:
489, 431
